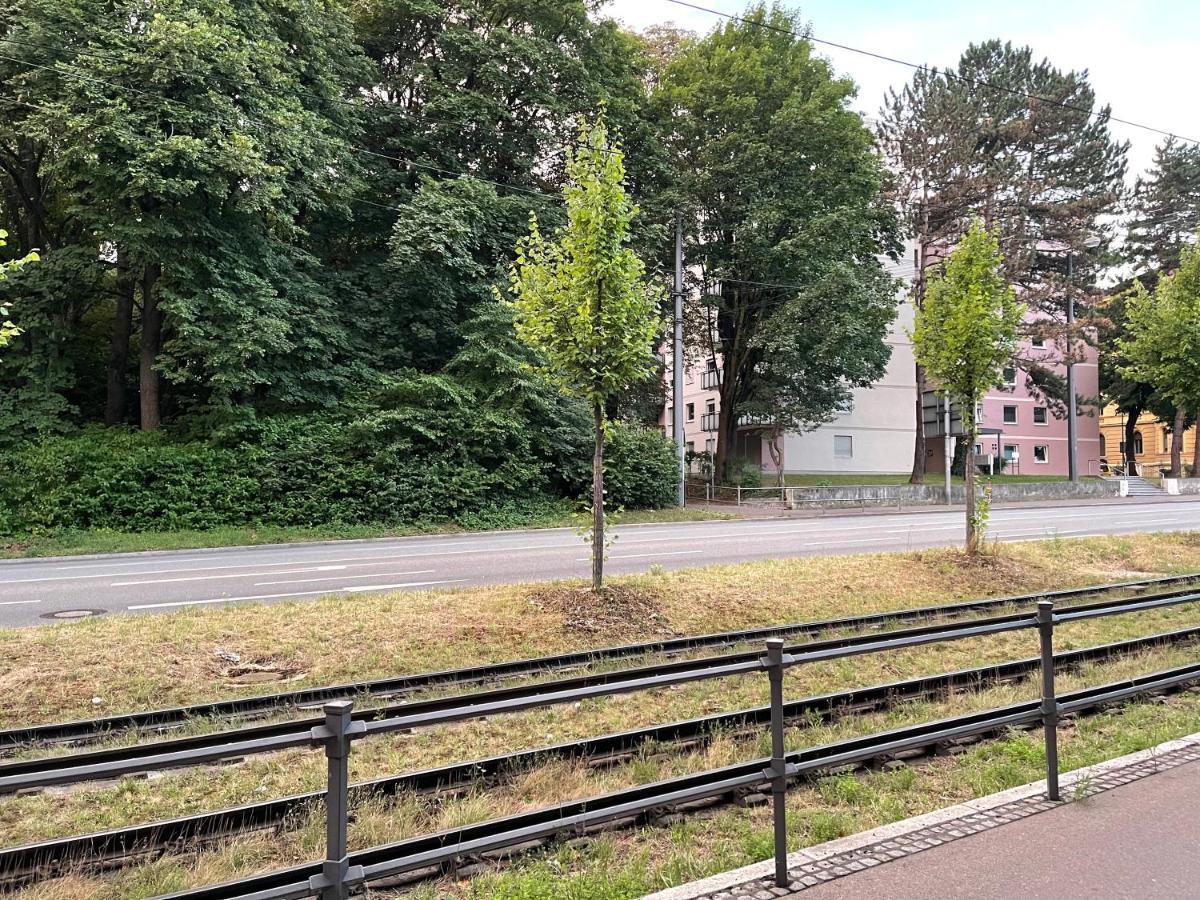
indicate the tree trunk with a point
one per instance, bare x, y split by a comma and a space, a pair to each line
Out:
776, 457
152, 321
1131, 420
1196, 447
1177, 444
918, 469
969, 473
598, 500
118, 344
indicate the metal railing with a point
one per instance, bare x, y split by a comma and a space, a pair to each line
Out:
709, 421
339, 871
710, 379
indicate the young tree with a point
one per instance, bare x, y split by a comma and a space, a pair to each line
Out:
1163, 347
782, 186
582, 301
965, 335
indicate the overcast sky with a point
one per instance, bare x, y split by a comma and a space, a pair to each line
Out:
1141, 53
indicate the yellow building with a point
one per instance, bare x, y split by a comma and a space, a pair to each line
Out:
1151, 442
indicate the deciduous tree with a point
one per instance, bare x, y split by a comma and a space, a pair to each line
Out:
781, 186
965, 335
582, 300
1163, 347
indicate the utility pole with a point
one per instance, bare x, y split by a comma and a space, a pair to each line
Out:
1072, 424
947, 446
677, 368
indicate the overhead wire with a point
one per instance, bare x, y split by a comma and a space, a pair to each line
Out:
921, 67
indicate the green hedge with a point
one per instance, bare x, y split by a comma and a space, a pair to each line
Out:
446, 459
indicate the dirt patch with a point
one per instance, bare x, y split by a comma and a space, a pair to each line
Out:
236, 669
617, 611
1000, 567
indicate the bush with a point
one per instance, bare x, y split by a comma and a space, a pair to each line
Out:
641, 468
424, 451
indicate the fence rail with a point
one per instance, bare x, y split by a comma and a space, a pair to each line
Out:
334, 876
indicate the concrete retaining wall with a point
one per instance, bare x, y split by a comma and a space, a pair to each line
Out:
1189, 485
876, 495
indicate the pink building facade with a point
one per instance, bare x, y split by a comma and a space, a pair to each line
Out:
1017, 425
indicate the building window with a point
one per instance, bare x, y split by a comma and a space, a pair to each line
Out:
711, 407
1039, 342
843, 446
1139, 446
1010, 452
1010, 376
1039, 415
1010, 415
1166, 440
1041, 453
691, 412
1103, 443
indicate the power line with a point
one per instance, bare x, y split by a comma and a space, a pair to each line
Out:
920, 67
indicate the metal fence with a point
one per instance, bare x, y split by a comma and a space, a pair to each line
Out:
339, 872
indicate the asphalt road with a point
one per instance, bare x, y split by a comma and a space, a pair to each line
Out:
36, 591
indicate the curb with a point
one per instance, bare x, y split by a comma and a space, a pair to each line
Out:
765, 869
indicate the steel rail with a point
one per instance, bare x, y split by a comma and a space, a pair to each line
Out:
431, 853
96, 729
22, 862
179, 752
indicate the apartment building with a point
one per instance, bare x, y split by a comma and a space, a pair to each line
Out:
876, 436
1017, 425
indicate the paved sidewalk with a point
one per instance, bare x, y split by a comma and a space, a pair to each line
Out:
1129, 829
1134, 841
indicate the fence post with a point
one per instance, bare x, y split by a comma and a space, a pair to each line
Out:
335, 734
778, 770
1045, 621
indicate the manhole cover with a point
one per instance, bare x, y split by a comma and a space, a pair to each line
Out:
70, 614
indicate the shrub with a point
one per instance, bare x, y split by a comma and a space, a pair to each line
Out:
423, 451
642, 470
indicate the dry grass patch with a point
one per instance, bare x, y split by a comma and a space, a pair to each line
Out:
123, 663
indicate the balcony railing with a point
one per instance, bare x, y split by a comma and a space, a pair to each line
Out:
708, 421
710, 379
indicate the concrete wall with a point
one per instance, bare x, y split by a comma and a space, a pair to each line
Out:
853, 496
1189, 485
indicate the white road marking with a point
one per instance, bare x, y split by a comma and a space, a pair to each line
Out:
644, 555
232, 575
18, 602
343, 577
390, 587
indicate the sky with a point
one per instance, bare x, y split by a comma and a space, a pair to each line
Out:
1140, 53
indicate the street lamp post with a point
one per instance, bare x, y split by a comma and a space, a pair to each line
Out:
1072, 424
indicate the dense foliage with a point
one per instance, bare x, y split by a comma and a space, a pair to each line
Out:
384, 465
